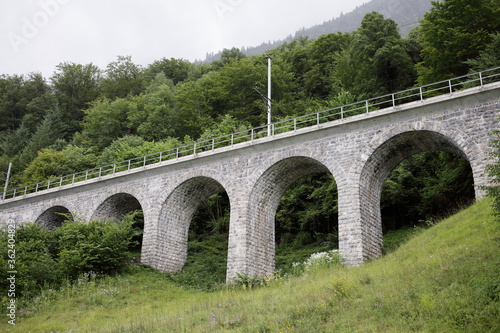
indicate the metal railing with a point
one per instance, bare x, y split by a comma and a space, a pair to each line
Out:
393, 100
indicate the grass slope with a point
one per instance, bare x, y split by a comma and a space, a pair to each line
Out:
444, 279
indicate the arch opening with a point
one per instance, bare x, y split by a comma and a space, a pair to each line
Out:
54, 217
116, 207
424, 188
194, 224
386, 159
271, 219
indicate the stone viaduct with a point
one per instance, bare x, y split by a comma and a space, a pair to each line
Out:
360, 152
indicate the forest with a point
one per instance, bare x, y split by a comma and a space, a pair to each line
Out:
83, 116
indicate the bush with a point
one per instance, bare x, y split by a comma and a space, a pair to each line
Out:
47, 258
98, 246
34, 262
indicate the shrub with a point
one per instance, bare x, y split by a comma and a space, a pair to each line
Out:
46, 258
34, 263
98, 246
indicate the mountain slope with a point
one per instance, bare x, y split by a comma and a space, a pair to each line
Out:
405, 13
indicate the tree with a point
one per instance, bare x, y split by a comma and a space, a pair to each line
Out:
11, 109
293, 57
377, 62
122, 78
13, 142
322, 54
78, 158
426, 186
488, 58
194, 106
39, 100
228, 56
47, 165
22, 96
51, 129
153, 114
105, 121
75, 86
131, 146
454, 31
176, 70
307, 212
223, 126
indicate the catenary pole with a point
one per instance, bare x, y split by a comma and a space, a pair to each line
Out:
7, 181
269, 118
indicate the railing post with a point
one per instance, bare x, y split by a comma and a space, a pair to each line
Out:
273, 129
367, 110
342, 112
194, 149
36, 188
48, 184
25, 190
421, 94
161, 155
294, 124
481, 78
114, 168
177, 153
317, 119
232, 140
251, 136
451, 88
129, 161
86, 175
144, 163
60, 183
100, 172
73, 181
213, 144
393, 101
14, 195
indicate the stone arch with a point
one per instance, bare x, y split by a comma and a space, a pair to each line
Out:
53, 217
378, 167
116, 207
263, 202
175, 218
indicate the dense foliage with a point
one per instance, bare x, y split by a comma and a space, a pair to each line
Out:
48, 258
453, 32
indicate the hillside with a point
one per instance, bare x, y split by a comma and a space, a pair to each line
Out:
405, 13
444, 279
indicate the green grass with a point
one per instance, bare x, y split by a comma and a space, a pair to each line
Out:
443, 279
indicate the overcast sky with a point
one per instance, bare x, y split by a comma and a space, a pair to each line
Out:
36, 35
